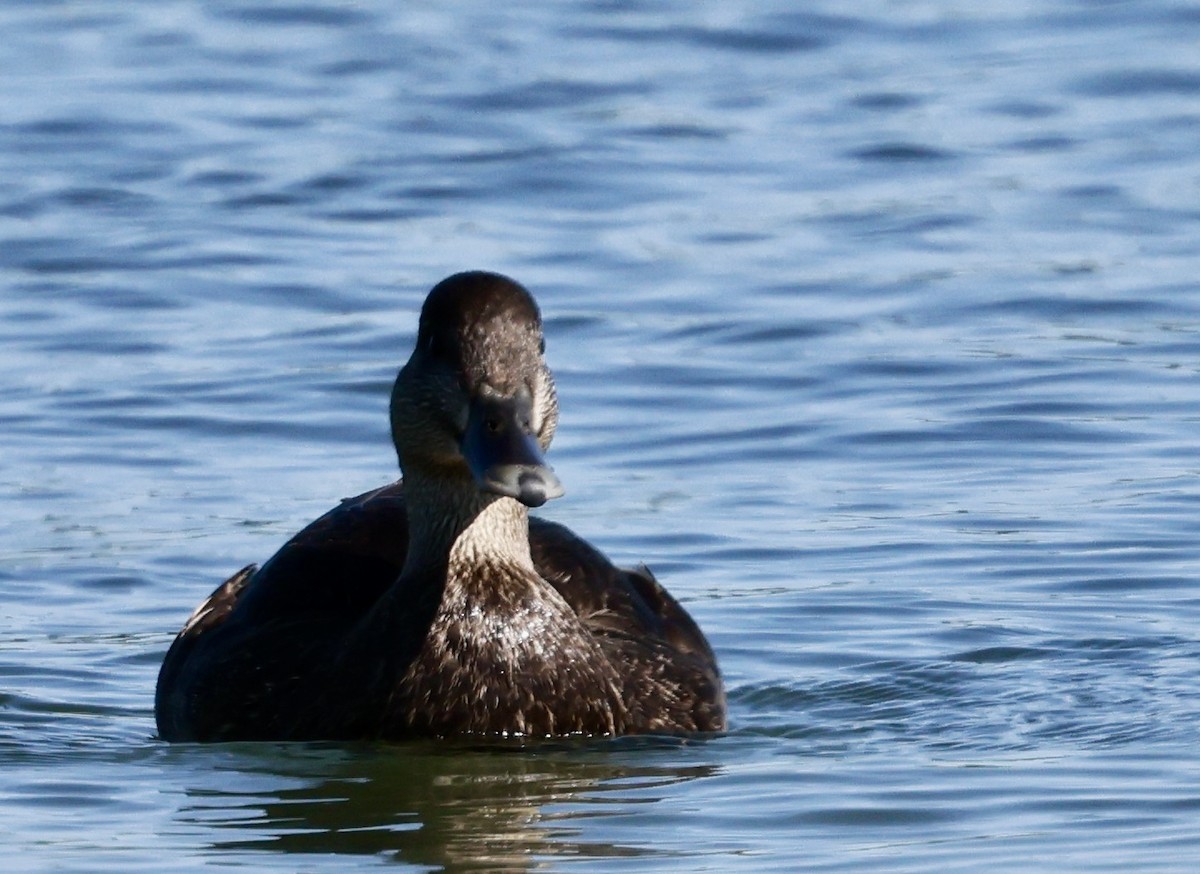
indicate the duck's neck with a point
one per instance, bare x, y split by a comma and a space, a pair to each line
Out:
455, 525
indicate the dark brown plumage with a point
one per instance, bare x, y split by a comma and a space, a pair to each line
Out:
491, 623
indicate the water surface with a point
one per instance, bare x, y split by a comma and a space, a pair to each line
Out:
877, 332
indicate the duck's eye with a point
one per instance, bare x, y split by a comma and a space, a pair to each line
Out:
493, 425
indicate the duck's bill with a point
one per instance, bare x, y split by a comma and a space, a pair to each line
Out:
503, 456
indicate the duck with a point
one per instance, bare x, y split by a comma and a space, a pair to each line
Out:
436, 606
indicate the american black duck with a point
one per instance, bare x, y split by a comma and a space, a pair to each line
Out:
435, 606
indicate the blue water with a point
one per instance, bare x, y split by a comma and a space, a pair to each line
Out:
877, 335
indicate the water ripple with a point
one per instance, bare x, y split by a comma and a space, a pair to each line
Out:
876, 336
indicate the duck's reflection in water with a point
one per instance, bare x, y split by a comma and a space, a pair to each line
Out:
442, 805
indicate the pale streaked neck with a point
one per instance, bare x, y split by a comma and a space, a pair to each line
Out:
450, 520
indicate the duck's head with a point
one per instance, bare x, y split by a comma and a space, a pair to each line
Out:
476, 399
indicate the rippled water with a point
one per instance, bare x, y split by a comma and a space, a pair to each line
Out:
877, 332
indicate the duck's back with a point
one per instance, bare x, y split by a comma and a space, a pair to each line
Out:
283, 621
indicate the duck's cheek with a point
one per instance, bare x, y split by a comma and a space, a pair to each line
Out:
545, 409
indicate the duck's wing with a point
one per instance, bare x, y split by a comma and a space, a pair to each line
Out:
341, 562
337, 566
619, 602
212, 613
311, 590
667, 664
